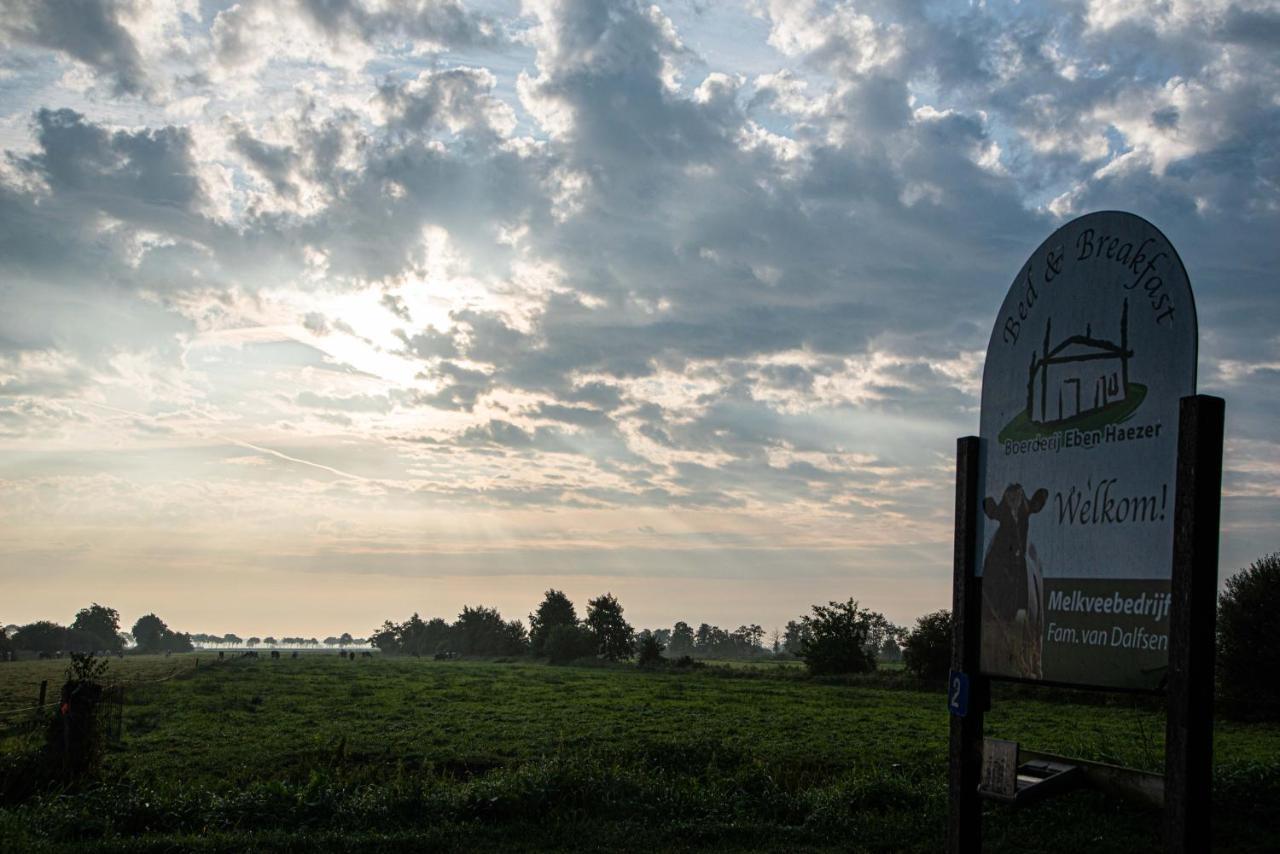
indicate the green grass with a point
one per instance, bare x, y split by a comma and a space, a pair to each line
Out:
323, 754
20, 680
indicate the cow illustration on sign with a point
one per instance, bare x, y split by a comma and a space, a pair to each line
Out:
1013, 587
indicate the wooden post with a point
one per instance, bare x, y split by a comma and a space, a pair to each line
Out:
1193, 614
44, 690
964, 829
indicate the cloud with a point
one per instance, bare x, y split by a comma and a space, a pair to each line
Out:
91, 33
590, 258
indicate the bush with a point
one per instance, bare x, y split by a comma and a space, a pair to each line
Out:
838, 639
1248, 625
927, 651
569, 643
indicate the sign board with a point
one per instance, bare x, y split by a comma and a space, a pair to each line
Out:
1000, 768
1092, 350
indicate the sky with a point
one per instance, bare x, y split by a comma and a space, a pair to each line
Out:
315, 313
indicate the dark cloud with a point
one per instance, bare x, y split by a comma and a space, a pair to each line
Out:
276, 163
138, 175
88, 32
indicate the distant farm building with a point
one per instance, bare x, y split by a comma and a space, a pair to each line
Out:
1081, 374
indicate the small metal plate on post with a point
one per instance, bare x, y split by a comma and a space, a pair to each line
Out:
999, 769
958, 693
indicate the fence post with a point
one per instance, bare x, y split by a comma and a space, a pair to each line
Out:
44, 690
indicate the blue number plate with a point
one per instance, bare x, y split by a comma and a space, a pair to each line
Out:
958, 693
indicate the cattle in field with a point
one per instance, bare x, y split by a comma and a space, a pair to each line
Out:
275, 653
1012, 587
366, 655
295, 653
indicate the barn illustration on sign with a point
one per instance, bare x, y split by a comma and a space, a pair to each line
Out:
1081, 382
1081, 374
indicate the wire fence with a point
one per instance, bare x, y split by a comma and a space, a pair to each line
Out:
28, 717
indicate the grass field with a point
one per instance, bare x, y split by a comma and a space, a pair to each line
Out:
320, 753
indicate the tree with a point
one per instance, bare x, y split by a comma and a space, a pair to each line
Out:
232, 639
569, 643
927, 650
254, 641
615, 639
681, 640
1248, 625
387, 638
703, 639
153, 635
345, 640
794, 636
178, 642
746, 641
839, 639
481, 631
433, 637
649, 650
555, 610
101, 625
40, 636
149, 633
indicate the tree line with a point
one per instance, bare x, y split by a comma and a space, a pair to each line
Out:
839, 637
230, 639
94, 629
97, 629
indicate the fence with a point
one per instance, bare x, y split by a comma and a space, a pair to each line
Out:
14, 721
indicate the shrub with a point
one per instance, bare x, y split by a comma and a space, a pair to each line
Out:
1248, 625
569, 643
838, 641
76, 737
927, 651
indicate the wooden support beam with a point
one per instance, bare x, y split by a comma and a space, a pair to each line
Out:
964, 828
1192, 623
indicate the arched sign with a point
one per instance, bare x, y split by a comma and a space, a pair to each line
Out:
1093, 348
